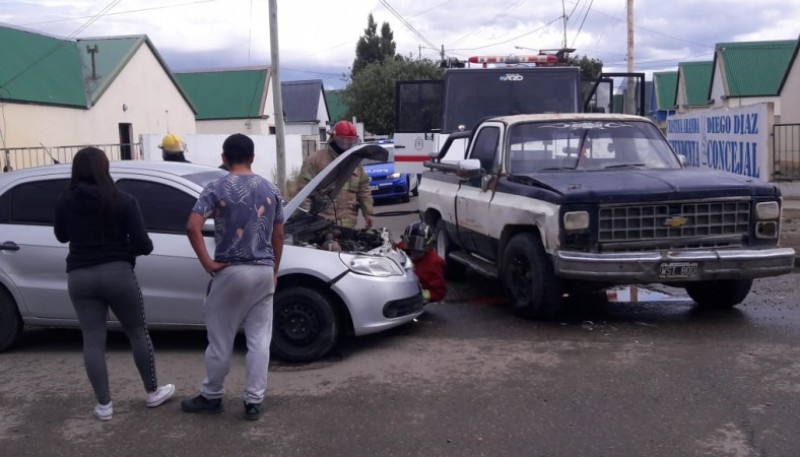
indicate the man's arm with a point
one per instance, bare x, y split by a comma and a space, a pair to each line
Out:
194, 230
277, 247
364, 196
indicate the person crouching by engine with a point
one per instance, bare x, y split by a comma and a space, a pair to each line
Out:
417, 241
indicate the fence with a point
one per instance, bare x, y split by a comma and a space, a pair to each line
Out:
19, 158
786, 152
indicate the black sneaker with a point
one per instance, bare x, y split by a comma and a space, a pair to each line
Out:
252, 411
201, 404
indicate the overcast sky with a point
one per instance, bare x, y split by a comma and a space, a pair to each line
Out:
317, 37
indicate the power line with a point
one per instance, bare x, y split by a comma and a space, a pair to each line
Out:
510, 39
120, 12
582, 21
386, 4
431, 8
491, 21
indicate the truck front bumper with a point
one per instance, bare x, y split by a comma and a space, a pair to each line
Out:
674, 266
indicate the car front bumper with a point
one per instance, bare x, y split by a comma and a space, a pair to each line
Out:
371, 299
679, 266
389, 189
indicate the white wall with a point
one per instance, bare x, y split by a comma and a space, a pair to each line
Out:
206, 149
230, 126
790, 96
301, 128
718, 85
154, 105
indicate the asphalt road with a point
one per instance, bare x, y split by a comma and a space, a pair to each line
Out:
659, 378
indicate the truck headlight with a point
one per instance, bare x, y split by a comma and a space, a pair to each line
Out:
371, 265
576, 220
394, 176
768, 210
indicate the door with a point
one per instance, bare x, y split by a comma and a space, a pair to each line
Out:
472, 202
30, 255
125, 141
173, 282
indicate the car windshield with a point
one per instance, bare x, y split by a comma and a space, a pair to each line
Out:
587, 145
205, 177
389, 148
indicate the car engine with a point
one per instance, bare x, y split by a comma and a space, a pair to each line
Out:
320, 233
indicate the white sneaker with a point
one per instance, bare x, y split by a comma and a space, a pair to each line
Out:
104, 412
161, 395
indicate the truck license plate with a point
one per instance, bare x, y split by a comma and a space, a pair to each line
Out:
678, 270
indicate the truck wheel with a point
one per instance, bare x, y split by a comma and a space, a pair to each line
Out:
444, 246
406, 197
721, 294
529, 282
10, 321
304, 326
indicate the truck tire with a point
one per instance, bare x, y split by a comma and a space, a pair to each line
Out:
529, 282
10, 320
723, 294
444, 246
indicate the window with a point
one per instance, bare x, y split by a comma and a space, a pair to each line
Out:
165, 209
485, 148
31, 203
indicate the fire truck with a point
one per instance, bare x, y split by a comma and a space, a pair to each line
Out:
428, 111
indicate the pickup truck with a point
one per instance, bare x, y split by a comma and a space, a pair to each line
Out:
562, 205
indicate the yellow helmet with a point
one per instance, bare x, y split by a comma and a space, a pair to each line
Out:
172, 143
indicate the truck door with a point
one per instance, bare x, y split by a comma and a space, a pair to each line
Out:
472, 202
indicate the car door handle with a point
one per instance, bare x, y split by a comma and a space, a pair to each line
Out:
9, 246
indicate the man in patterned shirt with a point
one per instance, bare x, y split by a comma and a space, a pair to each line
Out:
248, 231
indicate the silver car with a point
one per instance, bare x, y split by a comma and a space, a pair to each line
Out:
332, 279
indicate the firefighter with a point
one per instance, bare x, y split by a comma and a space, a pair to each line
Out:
355, 194
417, 241
172, 148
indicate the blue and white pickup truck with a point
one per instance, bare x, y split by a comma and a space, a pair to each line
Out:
565, 204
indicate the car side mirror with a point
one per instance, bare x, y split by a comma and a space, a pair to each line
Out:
208, 227
468, 169
683, 161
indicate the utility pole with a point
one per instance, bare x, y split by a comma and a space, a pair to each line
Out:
442, 53
280, 141
630, 93
564, 16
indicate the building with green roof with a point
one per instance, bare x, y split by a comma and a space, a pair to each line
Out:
99, 91
790, 92
694, 82
662, 100
747, 73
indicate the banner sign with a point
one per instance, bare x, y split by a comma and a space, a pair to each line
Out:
733, 140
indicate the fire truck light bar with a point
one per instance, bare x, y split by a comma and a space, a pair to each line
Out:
544, 58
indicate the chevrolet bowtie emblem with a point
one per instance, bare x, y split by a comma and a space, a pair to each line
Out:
676, 221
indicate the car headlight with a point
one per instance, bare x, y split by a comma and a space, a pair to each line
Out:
394, 176
576, 220
768, 210
371, 265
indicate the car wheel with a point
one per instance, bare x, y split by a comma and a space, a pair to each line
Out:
406, 197
415, 191
721, 294
529, 282
444, 246
304, 325
10, 321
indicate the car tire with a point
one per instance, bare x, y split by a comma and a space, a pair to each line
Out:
415, 190
10, 321
406, 197
444, 246
529, 282
722, 294
305, 327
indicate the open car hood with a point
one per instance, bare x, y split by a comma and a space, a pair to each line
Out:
328, 182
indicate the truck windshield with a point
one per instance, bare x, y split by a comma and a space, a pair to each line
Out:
587, 145
473, 94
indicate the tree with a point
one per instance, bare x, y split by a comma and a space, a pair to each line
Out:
590, 68
372, 48
370, 95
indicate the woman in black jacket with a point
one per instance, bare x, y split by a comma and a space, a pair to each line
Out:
105, 231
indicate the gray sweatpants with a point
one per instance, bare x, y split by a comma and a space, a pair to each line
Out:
93, 290
239, 296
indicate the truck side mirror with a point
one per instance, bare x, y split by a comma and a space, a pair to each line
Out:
468, 169
683, 161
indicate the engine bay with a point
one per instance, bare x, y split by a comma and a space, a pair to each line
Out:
319, 233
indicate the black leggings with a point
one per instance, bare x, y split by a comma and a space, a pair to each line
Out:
93, 290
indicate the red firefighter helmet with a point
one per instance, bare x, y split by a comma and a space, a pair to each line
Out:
344, 128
